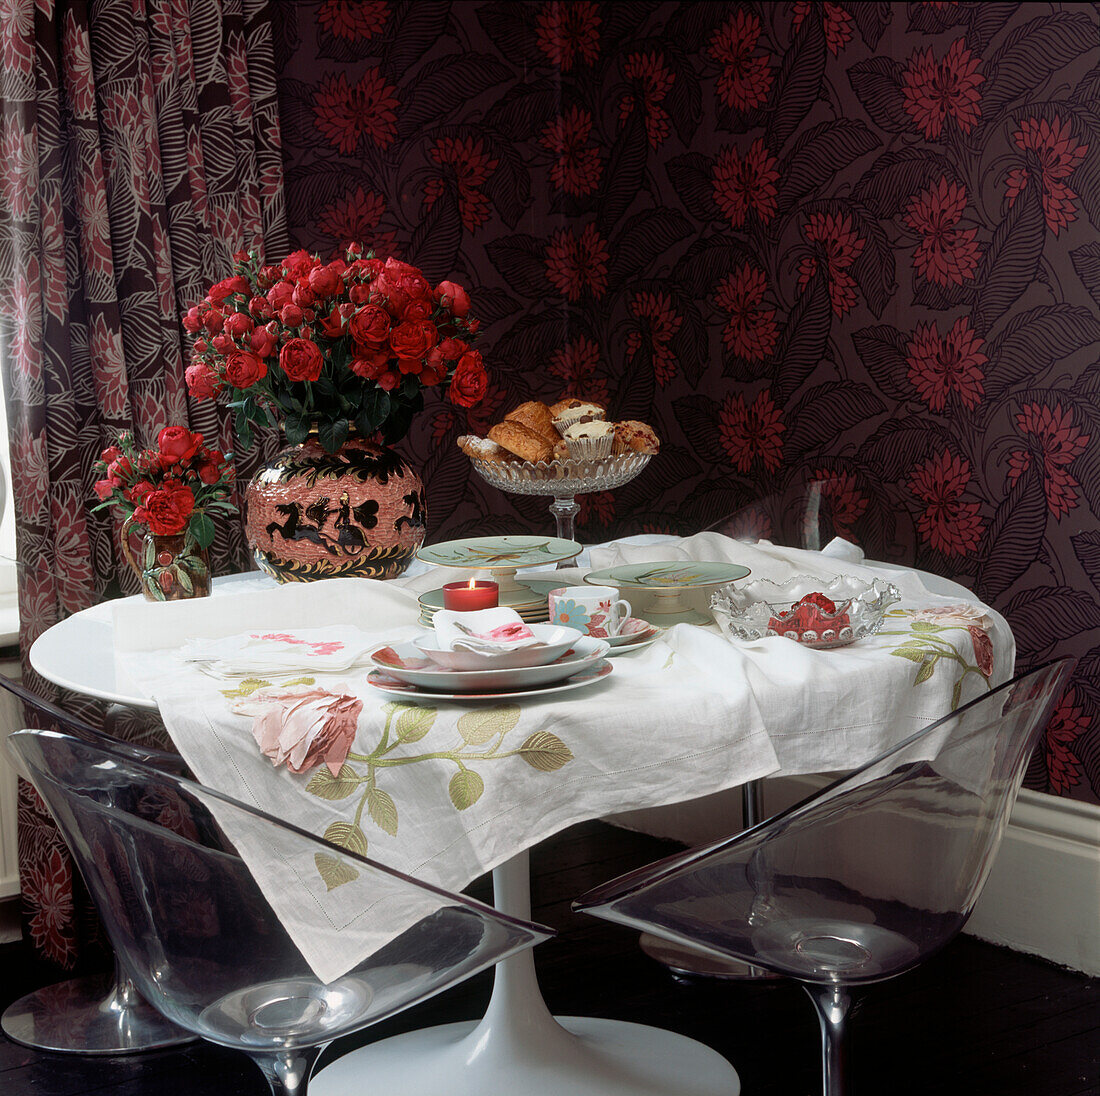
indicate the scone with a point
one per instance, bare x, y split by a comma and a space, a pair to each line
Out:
635, 437
519, 439
590, 440
568, 412
535, 415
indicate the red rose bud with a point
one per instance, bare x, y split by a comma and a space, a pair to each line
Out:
301, 360
335, 323
112, 452
224, 289
453, 297
370, 326
223, 344
418, 310
262, 342
470, 382
359, 294
279, 294
177, 443
307, 332
104, 489
240, 256
303, 295
260, 308
299, 263
120, 470
140, 489
388, 381
191, 320
291, 315
213, 321
413, 340
267, 276
209, 472
473, 326
453, 349
370, 365
432, 375
200, 346
243, 369
325, 281
167, 509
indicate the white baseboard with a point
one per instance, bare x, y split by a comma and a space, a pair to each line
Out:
1042, 896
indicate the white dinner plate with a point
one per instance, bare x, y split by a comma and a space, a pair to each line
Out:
392, 687
407, 664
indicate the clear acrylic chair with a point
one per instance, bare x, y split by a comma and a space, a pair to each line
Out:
865, 879
99, 1013
194, 930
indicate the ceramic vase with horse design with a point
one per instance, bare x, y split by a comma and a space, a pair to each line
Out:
314, 515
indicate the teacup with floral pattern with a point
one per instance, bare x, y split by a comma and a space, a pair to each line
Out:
596, 610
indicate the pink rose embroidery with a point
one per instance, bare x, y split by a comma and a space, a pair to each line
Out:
304, 726
983, 649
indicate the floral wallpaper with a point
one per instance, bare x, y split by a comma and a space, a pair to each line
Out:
857, 242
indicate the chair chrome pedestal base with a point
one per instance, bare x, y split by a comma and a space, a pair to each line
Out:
95, 1015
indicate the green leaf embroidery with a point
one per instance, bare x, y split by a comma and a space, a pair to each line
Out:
926, 626
414, 723
348, 836
483, 726
926, 671
545, 751
465, 789
326, 786
334, 872
382, 810
956, 694
914, 654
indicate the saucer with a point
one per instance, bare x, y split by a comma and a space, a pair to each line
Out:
634, 641
384, 683
408, 665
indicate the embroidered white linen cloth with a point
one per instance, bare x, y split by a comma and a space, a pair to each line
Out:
833, 709
441, 791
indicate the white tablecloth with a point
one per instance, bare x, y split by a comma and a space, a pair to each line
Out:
455, 789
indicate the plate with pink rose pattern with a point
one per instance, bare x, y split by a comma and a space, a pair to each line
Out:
384, 683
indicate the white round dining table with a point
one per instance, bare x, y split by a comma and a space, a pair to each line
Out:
518, 1047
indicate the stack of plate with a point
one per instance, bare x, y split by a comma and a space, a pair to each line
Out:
530, 601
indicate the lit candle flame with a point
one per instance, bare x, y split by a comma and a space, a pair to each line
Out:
473, 584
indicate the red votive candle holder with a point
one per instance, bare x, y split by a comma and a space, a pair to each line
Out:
465, 597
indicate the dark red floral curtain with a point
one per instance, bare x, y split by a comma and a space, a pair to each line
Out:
857, 241
140, 146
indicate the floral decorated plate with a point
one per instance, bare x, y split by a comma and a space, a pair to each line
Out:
406, 664
815, 612
674, 574
384, 683
638, 637
496, 553
554, 641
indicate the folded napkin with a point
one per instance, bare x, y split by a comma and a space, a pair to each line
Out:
484, 631
314, 650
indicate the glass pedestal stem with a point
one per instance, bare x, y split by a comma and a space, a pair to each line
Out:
565, 511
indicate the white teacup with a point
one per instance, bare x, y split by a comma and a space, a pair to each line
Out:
595, 610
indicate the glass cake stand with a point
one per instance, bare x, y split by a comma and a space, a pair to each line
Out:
563, 480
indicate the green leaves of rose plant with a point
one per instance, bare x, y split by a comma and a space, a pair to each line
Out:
413, 723
479, 727
333, 788
348, 836
545, 751
382, 810
465, 789
333, 871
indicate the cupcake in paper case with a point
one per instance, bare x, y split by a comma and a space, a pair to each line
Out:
569, 412
590, 440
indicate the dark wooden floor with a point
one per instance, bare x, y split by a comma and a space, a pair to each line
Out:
975, 1021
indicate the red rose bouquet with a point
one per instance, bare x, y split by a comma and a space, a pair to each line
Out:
169, 489
330, 346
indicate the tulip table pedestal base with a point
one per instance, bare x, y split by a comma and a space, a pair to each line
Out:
519, 1048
